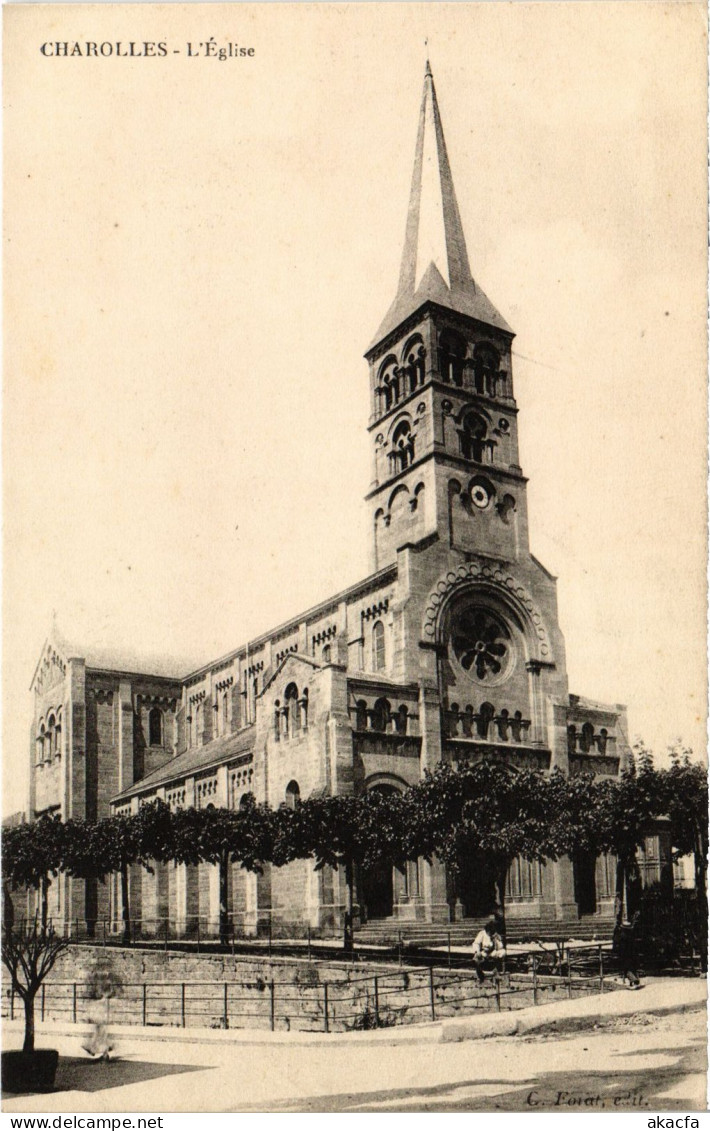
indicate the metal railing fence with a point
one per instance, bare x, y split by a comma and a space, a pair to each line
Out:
315, 999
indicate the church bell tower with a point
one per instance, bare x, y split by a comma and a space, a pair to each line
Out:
443, 418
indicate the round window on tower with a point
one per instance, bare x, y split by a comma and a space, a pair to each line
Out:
480, 496
481, 643
481, 492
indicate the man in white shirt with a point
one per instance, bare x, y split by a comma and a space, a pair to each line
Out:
488, 949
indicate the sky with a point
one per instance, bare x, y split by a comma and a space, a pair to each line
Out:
198, 252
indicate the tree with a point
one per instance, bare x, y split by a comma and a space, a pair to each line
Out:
627, 805
221, 837
487, 812
684, 786
29, 953
342, 832
598, 815
114, 844
33, 854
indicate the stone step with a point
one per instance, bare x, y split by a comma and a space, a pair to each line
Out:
461, 933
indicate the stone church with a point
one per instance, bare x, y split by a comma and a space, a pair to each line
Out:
450, 649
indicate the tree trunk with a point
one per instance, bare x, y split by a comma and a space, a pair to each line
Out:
348, 919
44, 902
223, 899
500, 886
125, 906
621, 900
29, 1042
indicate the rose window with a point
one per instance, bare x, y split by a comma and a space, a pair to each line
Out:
481, 644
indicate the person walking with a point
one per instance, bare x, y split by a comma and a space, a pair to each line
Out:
625, 950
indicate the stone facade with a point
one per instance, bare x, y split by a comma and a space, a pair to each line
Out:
451, 649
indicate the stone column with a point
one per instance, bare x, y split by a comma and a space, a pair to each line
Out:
257, 902
429, 726
124, 721
565, 903
221, 798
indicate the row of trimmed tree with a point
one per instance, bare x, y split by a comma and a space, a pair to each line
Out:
482, 811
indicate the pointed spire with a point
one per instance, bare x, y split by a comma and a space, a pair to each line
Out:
435, 263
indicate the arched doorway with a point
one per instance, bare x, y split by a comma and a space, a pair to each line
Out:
376, 885
477, 887
584, 867
378, 892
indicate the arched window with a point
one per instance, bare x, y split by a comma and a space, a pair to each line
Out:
378, 646
452, 351
473, 437
197, 718
388, 385
361, 715
413, 364
484, 719
40, 744
587, 740
155, 727
381, 715
326, 654
51, 738
58, 735
303, 705
402, 454
225, 712
245, 801
293, 794
291, 709
486, 363
400, 719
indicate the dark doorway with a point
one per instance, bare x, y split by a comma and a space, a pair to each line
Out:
378, 891
585, 883
477, 887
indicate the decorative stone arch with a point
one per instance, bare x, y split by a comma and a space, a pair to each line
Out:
414, 343
500, 584
385, 364
378, 780
413, 363
397, 498
418, 497
468, 409
400, 418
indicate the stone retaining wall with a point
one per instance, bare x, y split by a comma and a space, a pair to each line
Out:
221, 991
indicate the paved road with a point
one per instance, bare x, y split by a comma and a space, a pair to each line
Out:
655, 1064
650, 1063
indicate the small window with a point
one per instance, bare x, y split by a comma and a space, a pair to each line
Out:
473, 437
381, 715
452, 351
486, 363
378, 646
155, 727
292, 708
197, 720
326, 654
402, 454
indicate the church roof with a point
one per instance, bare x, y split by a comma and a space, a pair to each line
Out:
127, 661
435, 265
192, 760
